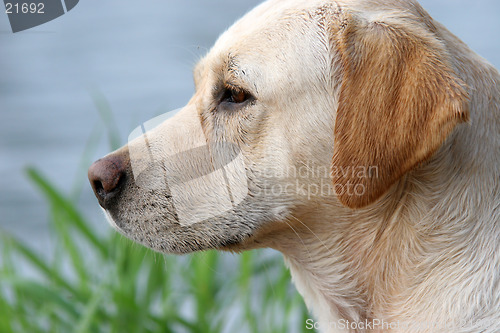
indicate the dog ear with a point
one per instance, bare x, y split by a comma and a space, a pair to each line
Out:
399, 100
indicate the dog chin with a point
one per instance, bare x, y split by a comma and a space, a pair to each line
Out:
181, 246
110, 219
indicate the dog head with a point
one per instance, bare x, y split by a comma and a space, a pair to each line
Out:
298, 104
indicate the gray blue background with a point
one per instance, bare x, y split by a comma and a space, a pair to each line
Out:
139, 55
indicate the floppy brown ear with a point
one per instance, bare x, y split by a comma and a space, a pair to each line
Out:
399, 100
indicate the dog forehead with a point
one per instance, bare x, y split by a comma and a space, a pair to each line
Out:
275, 33
280, 36
262, 26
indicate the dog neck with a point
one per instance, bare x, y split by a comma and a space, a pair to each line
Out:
388, 263
352, 269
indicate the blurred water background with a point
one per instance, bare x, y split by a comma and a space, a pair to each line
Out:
139, 55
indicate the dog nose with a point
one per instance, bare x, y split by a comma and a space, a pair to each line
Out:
106, 176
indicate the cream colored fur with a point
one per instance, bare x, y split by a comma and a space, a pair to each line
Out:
422, 246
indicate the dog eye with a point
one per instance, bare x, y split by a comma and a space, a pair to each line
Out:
235, 96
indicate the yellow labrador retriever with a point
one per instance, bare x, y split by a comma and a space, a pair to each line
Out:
358, 137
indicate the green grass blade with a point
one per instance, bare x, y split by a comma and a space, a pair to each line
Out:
87, 156
106, 114
42, 294
6, 314
58, 200
90, 312
203, 282
69, 246
41, 265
